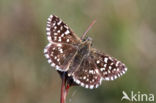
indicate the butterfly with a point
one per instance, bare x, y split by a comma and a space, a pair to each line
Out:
75, 56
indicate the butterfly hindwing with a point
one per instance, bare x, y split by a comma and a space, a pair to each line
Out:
87, 75
109, 67
59, 55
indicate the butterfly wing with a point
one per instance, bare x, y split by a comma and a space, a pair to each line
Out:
97, 67
62, 41
59, 32
109, 67
87, 75
59, 55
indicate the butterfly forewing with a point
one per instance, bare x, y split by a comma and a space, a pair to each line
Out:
109, 67
87, 75
59, 55
59, 32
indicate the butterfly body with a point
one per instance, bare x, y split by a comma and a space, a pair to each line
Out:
69, 54
82, 52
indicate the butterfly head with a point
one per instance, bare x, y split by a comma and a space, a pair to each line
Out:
87, 40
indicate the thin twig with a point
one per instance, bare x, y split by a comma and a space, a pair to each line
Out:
64, 89
62, 98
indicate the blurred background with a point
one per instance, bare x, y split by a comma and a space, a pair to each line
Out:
125, 29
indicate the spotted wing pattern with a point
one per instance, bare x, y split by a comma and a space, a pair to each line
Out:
109, 67
60, 49
59, 55
97, 67
87, 75
59, 32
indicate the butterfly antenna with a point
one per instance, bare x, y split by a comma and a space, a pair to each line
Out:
90, 26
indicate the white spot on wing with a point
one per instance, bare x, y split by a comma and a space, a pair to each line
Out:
52, 64
67, 32
58, 59
119, 75
49, 38
59, 22
48, 22
62, 35
48, 25
101, 80
67, 40
59, 45
59, 39
55, 33
86, 86
48, 33
66, 26
84, 77
55, 27
105, 59
45, 50
57, 67
98, 61
49, 61
48, 29
51, 16
77, 81
97, 85
106, 78
58, 31
125, 69
49, 19
105, 65
117, 63
115, 77
105, 73
102, 69
91, 71
112, 78
91, 86
110, 67
48, 45
97, 71
46, 55
82, 84
54, 24
61, 27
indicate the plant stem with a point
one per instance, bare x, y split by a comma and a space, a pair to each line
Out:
62, 99
64, 89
